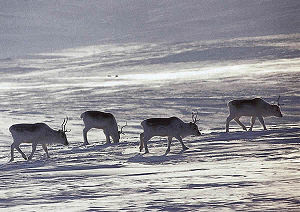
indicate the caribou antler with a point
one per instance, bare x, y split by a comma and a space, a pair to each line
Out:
121, 131
194, 117
63, 125
278, 101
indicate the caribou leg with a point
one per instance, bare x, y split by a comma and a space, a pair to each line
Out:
85, 131
253, 118
169, 144
237, 120
261, 120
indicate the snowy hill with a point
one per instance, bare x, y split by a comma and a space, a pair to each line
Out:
142, 59
233, 171
38, 26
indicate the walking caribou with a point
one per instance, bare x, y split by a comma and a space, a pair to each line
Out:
256, 108
104, 121
38, 133
169, 127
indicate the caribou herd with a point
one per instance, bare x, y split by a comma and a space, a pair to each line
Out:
173, 127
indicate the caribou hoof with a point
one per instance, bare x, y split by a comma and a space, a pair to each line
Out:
185, 148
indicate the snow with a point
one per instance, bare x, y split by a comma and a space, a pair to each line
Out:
233, 171
43, 26
141, 59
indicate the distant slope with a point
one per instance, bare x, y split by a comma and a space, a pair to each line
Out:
37, 26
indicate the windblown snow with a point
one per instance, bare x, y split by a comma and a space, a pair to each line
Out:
239, 170
152, 76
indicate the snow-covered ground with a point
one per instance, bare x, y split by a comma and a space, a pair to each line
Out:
239, 170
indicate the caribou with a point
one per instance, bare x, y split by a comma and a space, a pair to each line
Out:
38, 133
255, 108
104, 121
168, 127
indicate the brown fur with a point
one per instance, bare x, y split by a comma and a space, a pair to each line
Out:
159, 121
98, 114
242, 102
26, 127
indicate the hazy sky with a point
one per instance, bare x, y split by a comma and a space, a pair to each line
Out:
31, 26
